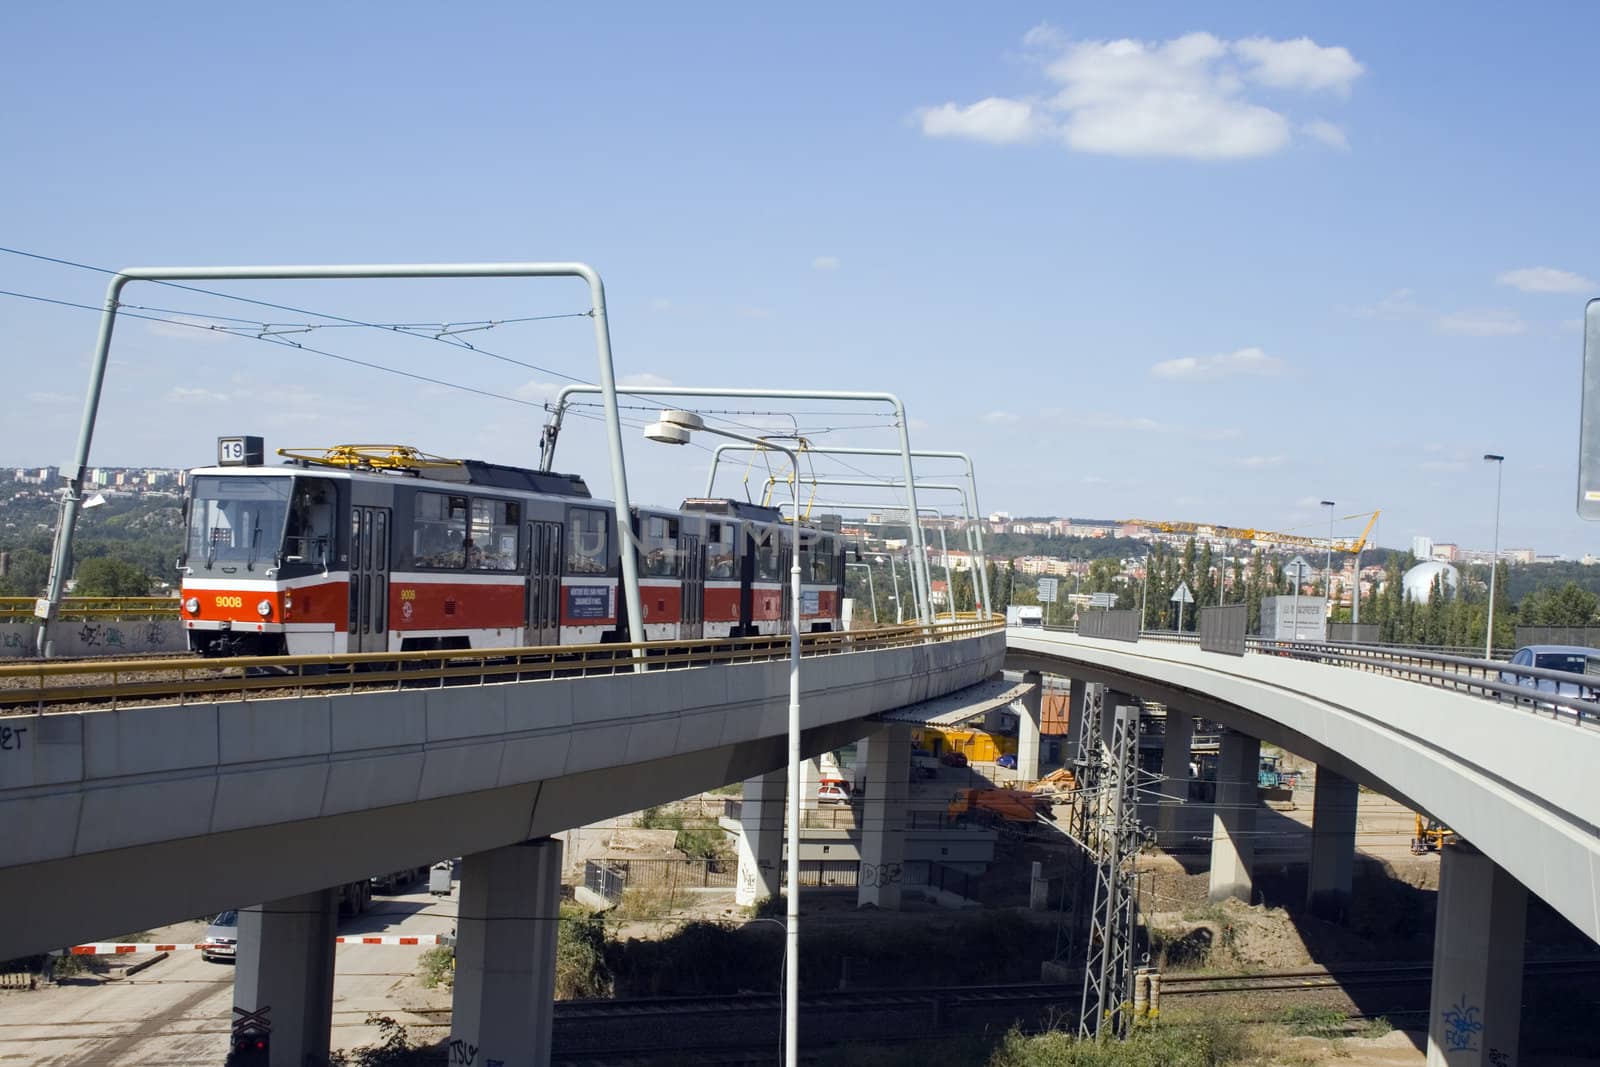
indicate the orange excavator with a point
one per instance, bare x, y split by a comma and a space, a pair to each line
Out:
998, 805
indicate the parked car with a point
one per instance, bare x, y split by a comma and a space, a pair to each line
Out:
1571, 659
832, 793
954, 759
1007, 760
222, 937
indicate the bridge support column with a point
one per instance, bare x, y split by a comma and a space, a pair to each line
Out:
1028, 728
761, 829
1476, 1010
1333, 844
883, 818
506, 929
1175, 749
1233, 819
283, 979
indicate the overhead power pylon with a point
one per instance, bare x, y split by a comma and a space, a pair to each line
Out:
1115, 836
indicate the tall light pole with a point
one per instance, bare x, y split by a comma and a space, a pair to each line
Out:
1327, 581
674, 428
1494, 560
872, 596
1144, 594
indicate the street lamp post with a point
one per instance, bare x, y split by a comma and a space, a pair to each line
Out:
675, 427
872, 596
1144, 594
1327, 581
1494, 560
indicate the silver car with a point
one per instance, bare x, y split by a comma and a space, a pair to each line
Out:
222, 937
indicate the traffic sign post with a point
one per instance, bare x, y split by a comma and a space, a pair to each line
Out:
1180, 597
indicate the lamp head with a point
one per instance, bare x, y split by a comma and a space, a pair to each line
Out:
1492, 458
1327, 503
687, 419
666, 433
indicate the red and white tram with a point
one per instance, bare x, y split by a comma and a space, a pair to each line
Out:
363, 548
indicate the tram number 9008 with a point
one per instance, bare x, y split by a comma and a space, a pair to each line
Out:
230, 601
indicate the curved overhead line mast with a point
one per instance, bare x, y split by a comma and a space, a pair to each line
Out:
61, 555
913, 510
558, 407
974, 512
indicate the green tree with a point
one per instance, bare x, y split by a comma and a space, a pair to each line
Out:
27, 574
107, 576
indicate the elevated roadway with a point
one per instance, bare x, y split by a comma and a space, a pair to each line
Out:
1504, 756
196, 800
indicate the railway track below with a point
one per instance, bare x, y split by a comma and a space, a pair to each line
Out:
744, 1028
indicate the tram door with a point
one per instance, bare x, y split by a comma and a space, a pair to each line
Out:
544, 583
694, 586
369, 580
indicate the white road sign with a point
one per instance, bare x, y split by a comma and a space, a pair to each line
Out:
1181, 595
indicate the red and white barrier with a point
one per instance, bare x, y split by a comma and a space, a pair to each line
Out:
110, 949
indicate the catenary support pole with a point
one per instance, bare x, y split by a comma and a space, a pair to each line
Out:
559, 405
61, 555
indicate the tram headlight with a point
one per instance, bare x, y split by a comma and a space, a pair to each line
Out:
264, 609
192, 605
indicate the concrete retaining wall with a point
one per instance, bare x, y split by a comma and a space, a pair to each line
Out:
130, 637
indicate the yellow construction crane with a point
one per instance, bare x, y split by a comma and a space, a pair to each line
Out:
1241, 533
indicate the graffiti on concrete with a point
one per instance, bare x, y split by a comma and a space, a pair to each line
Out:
1462, 1025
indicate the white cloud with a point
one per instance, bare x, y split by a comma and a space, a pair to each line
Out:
1259, 461
1326, 132
660, 303
1546, 280
1000, 418
1397, 305
752, 312
995, 120
1484, 323
1183, 97
537, 390
1219, 433
1252, 361
1300, 64
183, 394
644, 380
826, 263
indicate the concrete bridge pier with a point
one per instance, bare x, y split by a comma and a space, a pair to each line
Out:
1028, 728
1333, 844
1476, 1011
1175, 749
283, 977
506, 929
1233, 819
761, 830
883, 817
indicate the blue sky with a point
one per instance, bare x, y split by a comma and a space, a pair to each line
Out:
1198, 266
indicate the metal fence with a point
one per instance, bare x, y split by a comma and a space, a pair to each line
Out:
1353, 633
1587, 636
1222, 628
611, 878
1110, 625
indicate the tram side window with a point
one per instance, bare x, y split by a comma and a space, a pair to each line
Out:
439, 532
720, 561
492, 543
661, 547
588, 541
769, 553
309, 535
817, 563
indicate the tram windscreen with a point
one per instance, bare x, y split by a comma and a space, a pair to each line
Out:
236, 519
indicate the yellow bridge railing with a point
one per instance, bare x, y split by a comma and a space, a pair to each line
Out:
69, 685
85, 608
